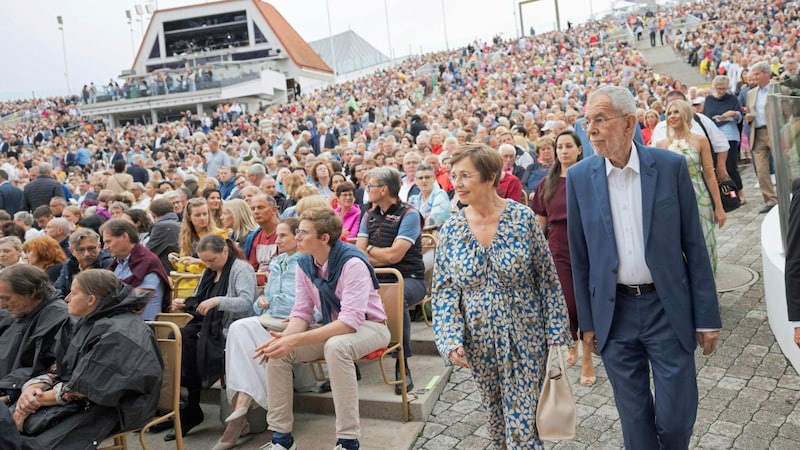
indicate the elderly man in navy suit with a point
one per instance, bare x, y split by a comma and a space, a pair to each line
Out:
643, 282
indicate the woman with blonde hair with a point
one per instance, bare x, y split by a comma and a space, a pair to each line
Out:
72, 214
237, 220
45, 253
697, 151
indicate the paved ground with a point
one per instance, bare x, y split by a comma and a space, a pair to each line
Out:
748, 391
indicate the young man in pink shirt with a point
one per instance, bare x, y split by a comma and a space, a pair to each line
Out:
336, 278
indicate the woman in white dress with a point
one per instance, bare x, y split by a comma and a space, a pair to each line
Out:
246, 380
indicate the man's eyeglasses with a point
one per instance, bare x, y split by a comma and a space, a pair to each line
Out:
80, 250
373, 186
463, 176
424, 177
598, 122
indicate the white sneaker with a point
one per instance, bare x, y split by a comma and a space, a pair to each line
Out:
755, 186
772, 177
274, 446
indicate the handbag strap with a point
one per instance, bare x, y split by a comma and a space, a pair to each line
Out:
560, 356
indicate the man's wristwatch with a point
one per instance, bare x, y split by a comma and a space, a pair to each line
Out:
369, 248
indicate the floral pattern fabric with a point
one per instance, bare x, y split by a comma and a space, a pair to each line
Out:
704, 202
502, 303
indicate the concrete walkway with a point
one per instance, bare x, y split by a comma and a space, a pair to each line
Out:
664, 60
748, 391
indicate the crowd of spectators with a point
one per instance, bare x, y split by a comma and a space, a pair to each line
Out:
143, 198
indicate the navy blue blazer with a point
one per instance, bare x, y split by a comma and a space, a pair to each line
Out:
675, 250
10, 198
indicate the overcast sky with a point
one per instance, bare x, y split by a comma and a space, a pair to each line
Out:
98, 38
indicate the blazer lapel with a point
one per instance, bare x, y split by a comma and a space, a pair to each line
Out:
600, 183
648, 176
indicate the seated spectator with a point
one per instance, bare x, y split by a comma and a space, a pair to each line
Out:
137, 266
60, 229
390, 235
72, 214
214, 200
42, 215
26, 345
546, 148
108, 334
432, 201
57, 205
141, 220
117, 209
246, 380
259, 247
45, 253
353, 325
12, 229
300, 193
237, 220
10, 252
197, 223
226, 292
348, 210
165, 232
25, 220
85, 253
9, 435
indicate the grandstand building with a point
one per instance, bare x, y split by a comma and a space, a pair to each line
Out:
196, 57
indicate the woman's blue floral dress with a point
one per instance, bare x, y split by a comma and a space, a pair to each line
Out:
504, 305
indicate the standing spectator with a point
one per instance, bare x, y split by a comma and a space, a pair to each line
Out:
10, 195
120, 181
550, 206
726, 112
137, 170
635, 238
165, 232
39, 191
759, 132
492, 261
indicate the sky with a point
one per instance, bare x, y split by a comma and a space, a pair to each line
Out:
97, 38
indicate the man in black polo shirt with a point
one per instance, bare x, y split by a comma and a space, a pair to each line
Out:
390, 235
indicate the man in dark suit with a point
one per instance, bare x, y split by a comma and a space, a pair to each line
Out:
325, 140
643, 281
792, 272
10, 195
39, 191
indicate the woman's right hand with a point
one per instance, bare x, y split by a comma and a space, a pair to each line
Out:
263, 302
458, 357
178, 304
28, 402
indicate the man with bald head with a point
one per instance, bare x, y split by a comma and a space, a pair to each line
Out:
259, 247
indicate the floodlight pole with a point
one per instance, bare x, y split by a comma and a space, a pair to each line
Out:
130, 24
60, 21
522, 23
444, 25
330, 39
388, 34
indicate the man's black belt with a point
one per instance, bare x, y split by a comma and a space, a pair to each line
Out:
635, 289
763, 127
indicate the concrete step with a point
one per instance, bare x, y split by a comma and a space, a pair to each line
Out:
422, 339
663, 59
311, 432
377, 400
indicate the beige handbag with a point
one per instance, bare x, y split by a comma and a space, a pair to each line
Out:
556, 414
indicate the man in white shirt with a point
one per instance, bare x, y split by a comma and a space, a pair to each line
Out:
643, 281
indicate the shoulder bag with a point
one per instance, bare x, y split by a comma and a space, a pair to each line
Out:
556, 414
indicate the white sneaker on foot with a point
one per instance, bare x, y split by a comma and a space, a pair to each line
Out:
274, 446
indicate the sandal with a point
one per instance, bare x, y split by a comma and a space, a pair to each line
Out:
572, 356
588, 381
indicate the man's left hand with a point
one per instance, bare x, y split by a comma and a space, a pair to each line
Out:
207, 305
277, 347
708, 340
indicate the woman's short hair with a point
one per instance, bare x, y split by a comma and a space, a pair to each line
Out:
47, 250
12, 229
325, 221
486, 160
346, 187
28, 280
309, 202
141, 219
721, 80
24, 217
13, 240
98, 282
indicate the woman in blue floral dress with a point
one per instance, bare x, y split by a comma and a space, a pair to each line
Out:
498, 304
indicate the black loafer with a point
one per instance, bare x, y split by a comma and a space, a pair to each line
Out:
188, 421
398, 389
